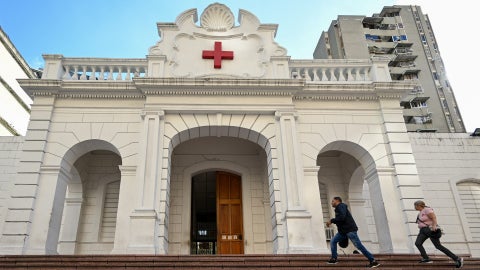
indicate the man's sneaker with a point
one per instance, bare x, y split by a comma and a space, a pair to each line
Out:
332, 261
425, 261
459, 263
373, 264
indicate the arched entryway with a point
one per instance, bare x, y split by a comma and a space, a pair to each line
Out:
90, 186
233, 174
349, 171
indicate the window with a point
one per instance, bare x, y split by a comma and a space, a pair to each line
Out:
403, 37
400, 25
372, 37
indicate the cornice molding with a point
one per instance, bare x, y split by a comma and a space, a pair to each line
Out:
140, 88
9, 127
81, 89
217, 86
5, 40
14, 95
214, 92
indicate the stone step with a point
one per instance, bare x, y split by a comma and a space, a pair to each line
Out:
291, 261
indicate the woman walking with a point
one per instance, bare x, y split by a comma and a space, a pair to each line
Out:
427, 223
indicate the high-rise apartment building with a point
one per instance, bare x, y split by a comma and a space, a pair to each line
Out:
404, 36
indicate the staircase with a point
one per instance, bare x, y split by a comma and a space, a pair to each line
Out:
209, 262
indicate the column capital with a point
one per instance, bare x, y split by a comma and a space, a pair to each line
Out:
149, 113
282, 114
127, 170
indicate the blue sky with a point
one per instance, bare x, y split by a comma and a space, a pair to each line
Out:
126, 29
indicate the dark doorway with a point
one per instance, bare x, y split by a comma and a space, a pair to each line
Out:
204, 214
217, 218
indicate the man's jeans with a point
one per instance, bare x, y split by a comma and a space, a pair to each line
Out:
353, 236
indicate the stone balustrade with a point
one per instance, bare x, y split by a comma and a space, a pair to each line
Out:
111, 69
58, 67
324, 70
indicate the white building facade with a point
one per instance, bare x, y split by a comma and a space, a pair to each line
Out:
12, 97
218, 142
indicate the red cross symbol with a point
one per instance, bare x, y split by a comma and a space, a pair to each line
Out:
217, 55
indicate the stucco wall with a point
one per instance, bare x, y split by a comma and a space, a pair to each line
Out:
444, 160
10, 150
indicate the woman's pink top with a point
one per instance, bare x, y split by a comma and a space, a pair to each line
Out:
424, 220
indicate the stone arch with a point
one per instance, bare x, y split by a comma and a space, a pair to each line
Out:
354, 165
70, 177
262, 135
81, 148
466, 192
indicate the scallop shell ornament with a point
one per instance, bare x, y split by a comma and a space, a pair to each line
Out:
217, 17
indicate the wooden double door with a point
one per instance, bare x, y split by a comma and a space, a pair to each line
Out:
226, 215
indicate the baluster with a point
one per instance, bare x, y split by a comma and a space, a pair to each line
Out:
84, 73
75, 73
127, 76
110, 73
367, 74
102, 74
332, 75
315, 75
341, 77
324, 74
294, 74
349, 74
119, 74
357, 75
306, 75
66, 75
92, 74
136, 74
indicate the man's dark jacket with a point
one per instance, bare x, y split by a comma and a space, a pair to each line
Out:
344, 220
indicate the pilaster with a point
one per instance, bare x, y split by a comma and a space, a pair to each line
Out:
297, 219
22, 201
128, 191
47, 217
68, 238
144, 219
312, 201
156, 65
399, 178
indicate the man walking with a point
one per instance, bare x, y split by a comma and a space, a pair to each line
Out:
347, 229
